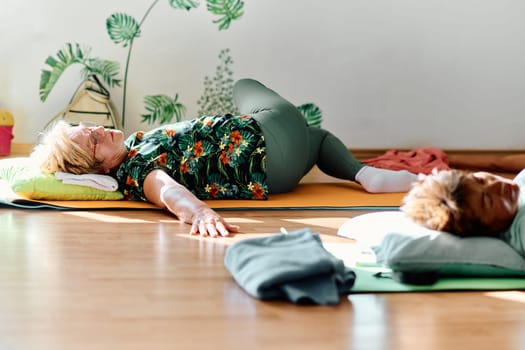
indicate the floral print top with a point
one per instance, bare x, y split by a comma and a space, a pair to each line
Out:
215, 157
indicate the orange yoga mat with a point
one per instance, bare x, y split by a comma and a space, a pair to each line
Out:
305, 196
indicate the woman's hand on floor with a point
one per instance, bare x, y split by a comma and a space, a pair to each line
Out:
207, 222
165, 192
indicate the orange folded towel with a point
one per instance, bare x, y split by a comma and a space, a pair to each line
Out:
421, 160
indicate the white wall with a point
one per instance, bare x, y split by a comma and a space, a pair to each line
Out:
387, 74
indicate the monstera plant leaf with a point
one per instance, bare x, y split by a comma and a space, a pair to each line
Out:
311, 113
162, 108
122, 28
106, 69
71, 54
184, 4
227, 10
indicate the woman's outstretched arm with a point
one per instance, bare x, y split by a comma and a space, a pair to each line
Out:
511, 163
161, 190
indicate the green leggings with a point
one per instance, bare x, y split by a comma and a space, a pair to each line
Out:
292, 147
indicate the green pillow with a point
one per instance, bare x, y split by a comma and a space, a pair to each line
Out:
405, 246
27, 180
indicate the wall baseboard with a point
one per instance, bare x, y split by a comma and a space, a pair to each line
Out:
23, 149
362, 154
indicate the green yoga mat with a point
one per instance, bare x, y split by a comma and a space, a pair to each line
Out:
367, 282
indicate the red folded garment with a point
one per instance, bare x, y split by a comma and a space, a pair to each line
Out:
421, 160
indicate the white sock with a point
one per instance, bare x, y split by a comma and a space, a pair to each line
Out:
376, 180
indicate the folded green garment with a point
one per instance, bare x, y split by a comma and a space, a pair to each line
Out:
294, 267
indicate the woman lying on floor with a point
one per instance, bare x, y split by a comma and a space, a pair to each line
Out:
467, 204
266, 150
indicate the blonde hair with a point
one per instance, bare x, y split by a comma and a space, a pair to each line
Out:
437, 201
57, 152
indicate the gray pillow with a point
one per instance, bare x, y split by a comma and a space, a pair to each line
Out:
404, 246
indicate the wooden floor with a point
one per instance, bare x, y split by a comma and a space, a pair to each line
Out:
136, 280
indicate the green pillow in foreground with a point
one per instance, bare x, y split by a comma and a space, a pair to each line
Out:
25, 179
405, 246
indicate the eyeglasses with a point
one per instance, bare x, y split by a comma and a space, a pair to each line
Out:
94, 141
93, 137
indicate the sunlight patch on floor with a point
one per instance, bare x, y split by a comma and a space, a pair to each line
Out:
510, 296
108, 218
334, 223
350, 253
231, 220
234, 237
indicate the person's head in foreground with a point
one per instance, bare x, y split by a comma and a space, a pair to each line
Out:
80, 149
462, 203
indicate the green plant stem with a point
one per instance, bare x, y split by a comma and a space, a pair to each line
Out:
127, 63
